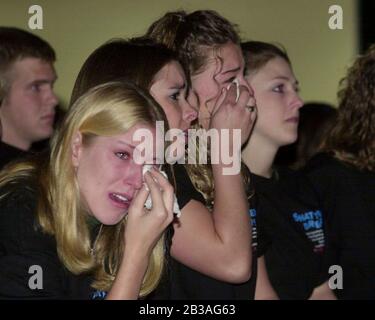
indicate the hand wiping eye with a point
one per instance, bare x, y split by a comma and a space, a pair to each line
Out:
148, 203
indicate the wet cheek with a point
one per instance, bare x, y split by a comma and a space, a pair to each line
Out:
134, 180
114, 169
205, 88
208, 93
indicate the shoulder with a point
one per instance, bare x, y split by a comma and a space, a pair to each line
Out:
322, 162
290, 191
17, 212
9, 153
292, 180
21, 194
285, 174
325, 170
185, 190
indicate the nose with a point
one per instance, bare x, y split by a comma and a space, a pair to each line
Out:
297, 101
189, 114
134, 176
51, 98
193, 100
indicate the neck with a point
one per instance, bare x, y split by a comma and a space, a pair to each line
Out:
258, 155
14, 140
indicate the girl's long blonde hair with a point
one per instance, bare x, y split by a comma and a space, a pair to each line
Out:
105, 110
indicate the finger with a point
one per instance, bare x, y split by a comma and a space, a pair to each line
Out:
159, 177
168, 199
155, 190
141, 197
167, 189
232, 93
244, 96
220, 100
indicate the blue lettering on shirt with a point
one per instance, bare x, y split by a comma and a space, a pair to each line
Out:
310, 220
98, 295
253, 215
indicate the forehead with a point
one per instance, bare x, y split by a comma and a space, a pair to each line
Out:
128, 137
172, 71
135, 140
231, 56
30, 69
275, 68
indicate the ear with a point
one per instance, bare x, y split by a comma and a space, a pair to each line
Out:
76, 146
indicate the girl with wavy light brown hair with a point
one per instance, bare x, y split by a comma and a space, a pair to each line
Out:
344, 177
211, 246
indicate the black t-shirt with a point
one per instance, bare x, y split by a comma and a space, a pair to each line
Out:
186, 283
289, 224
348, 198
28, 257
9, 153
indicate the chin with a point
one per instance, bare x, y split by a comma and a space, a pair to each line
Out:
287, 141
112, 219
293, 140
46, 134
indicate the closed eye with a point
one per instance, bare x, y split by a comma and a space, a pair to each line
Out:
230, 80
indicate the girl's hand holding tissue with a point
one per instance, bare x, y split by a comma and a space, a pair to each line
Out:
148, 203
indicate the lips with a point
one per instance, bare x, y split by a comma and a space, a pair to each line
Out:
49, 117
120, 200
293, 120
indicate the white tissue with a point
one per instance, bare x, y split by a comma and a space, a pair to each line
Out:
237, 87
148, 203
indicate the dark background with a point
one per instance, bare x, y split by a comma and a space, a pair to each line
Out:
366, 24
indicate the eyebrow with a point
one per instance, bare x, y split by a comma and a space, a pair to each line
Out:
232, 70
126, 144
43, 81
284, 78
178, 86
